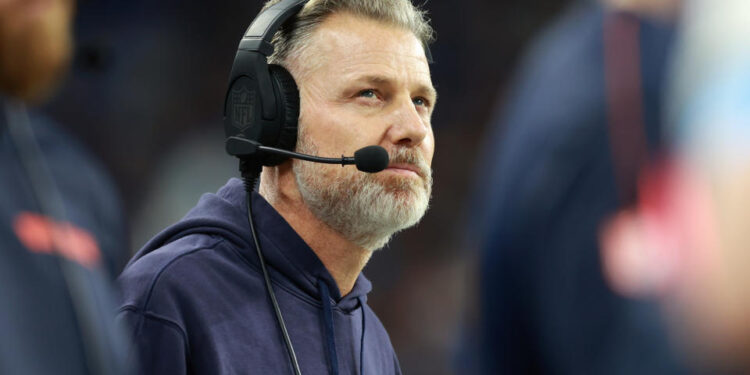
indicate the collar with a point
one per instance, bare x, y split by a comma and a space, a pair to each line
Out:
286, 253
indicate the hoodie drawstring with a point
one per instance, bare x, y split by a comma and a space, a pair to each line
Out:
362, 339
327, 317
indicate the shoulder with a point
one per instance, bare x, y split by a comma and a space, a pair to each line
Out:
183, 288
74, 167
90, 196
164, 274
379, 347
62, 149
377, 329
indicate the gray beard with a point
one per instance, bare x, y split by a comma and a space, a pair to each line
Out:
364, 209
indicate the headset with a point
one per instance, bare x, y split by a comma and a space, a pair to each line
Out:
262, 102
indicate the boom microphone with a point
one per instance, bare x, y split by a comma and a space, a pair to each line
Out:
370, 159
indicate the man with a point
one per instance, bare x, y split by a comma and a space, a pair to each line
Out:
194, 296
60, 223
586, 109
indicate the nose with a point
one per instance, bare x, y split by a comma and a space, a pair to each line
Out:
408, 128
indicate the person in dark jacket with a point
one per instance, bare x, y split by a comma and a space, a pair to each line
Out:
586, 111
61, 228
685, 243
194, 296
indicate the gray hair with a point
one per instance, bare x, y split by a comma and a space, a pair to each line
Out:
293, 36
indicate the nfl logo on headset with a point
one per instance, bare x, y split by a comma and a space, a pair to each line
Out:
242, 107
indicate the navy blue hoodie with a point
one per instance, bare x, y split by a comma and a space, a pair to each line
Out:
195, 300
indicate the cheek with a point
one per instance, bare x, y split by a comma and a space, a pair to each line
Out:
334, 130
321, 124
428, 146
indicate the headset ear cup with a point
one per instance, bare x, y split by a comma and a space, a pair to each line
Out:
288, 101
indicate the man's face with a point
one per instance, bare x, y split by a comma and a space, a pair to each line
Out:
35, 44
367, 83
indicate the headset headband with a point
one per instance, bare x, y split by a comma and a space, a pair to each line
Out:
256, 46
260, 33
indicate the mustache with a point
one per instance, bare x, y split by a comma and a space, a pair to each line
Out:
412, 157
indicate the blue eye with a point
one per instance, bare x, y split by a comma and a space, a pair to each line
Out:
369, 93
420, 101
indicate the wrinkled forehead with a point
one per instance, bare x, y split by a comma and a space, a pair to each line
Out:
346, 44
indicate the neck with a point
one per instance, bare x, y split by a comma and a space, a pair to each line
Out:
343, 259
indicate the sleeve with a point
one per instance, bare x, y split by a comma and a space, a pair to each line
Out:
158, 345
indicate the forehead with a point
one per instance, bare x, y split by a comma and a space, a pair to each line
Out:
351, 45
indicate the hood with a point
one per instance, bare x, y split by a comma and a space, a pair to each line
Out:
289, 259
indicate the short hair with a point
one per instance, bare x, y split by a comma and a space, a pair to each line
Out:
294, 34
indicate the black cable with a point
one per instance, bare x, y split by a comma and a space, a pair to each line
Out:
344, 160
250, 179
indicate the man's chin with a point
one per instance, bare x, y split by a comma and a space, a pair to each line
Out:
409, 196
401, 184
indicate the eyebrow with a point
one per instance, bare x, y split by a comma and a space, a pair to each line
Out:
423, 89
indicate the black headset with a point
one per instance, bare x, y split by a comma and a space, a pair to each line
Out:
262, 102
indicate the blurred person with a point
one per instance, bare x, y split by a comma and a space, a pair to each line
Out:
584, 114
174, 190
685, 243
195, 298
60, 225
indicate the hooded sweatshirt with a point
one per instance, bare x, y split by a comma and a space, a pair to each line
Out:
195, 299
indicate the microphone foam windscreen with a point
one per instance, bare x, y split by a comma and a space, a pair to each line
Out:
371, 159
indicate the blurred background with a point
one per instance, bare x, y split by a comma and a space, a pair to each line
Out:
548, 112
